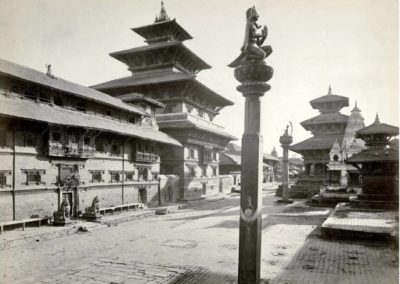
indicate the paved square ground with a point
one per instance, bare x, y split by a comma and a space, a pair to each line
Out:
200, 245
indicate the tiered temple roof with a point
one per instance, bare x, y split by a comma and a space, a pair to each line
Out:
377, 137
164, 66
327, 127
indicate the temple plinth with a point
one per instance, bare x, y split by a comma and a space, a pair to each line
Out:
285, 141
253, 73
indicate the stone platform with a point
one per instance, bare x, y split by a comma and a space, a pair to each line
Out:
346, 222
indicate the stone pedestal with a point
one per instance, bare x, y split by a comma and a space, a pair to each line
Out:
91, 216
252, 74
285, 140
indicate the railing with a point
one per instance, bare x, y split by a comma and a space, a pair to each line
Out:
57, 149
145, 157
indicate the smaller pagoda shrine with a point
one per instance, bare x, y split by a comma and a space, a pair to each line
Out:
378, 165
327, 127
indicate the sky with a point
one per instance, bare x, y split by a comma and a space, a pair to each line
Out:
351, 45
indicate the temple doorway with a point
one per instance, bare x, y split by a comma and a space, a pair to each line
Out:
143, 195
68, 181
68, 196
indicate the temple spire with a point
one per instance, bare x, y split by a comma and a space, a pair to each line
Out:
330, 90
376, 119
355, 108
163, 14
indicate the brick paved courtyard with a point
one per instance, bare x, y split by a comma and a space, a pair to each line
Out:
199, 245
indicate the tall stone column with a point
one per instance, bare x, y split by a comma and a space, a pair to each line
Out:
285, 140
253, 73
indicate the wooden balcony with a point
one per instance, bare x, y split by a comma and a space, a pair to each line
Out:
58, 150
144, 157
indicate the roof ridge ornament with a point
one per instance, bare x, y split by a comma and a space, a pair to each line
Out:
355, 108
163, 14
48, 72
329, 90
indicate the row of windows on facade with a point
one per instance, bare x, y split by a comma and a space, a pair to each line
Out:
29, 140
36, 176
190, 109
208, 154
192, 171
82, 106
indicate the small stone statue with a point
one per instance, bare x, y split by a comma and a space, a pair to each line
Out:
93, 212
252, 48
62, 215
95, 206
49, 73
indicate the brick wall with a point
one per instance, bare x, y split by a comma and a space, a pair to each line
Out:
6, 207
35, 202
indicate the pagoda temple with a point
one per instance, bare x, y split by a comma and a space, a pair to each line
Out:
333, 132
379, 166
165, 71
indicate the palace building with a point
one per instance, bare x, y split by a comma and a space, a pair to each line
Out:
164, 71
63, 141
333, 141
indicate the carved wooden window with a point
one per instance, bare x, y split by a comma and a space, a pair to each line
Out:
192, 171
44, 97
204, 170
81, 106
142, 173
100, 145
34, 176
128, 176
15, 89
29, 139
73, 138
3, 137
4, 181
132, 119
31, 95
191, 153
56, 136
115, 150
86, 140
58, 101
97, 176
115, 176
214, 169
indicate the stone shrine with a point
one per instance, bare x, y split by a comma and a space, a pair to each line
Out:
332, 141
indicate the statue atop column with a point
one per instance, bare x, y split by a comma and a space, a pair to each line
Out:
253, 74
254, 37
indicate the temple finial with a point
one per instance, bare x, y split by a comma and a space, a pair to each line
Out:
330, 90
377, 119
163, 14
356, 108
